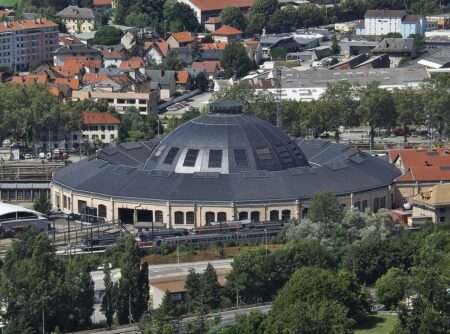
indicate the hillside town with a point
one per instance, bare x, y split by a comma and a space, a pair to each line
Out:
224, 166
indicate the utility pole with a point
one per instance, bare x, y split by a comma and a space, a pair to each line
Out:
43, 320
278, 74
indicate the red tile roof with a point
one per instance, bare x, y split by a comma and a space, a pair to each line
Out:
133, 63
99, 118
209, 5
182, 77
213, 46
112, 54
93, 78
26, 80
74, 84
183, 37
210, 66
26, 24
423, 165
73, 65
102, 3
227, 31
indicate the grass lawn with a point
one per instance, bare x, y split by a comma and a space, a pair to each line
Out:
378, 324
8, 3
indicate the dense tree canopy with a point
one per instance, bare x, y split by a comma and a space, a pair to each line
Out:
235, 61
107, 35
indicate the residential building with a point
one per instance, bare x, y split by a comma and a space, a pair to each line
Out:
135, 64
432, 205
183, 79
204, 9
213, 23
227, 34
212, 68
382, 22
144, 103
421, 169
157, 51
77, 20
129, 40
100, 127
112, 58
180, 39
102, 7
75, 50
166, 81
27, 43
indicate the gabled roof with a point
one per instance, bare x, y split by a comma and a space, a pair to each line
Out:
133, 63
91, 118
75, 12
395, 45
93, 78
74, 84
183, 37
385, 13
227, 31
210, 5
209, 66
114, 54
78, 48
97, 3
30, 79
422, 165
213, 46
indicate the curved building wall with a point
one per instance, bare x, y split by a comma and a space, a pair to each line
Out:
195, 214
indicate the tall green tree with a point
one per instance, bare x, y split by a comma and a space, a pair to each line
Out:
377, 108
234, 17
326, 210
193, 287
210, 288
409, 107
318, 301
391, 287
235, 61
109, 298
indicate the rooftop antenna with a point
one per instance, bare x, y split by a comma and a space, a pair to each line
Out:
278, 75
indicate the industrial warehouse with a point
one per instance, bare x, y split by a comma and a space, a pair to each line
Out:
222, 166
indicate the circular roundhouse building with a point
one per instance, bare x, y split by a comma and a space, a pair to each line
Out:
224, 165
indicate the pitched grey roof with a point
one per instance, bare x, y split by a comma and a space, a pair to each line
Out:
395, 45
385, 13
75, 12
76, 49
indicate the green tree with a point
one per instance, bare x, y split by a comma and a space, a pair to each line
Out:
409, 108
430, 304
233, 16
393, 35
108, 301
391, 287
42, 204
235, 61
326, 210
129, 308
335, 45
377, 108
172, 63
180, 17
210, 288
107, 35
318, 301
193, 288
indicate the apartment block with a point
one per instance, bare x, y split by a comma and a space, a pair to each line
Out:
26, 43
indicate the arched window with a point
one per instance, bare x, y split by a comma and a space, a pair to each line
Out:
179, 218
254, 217
285, 214
190, 218
102, 211
274, 215
243, 215
222, 217
210, 217
158, 216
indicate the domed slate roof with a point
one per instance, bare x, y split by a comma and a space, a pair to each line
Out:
226, 141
